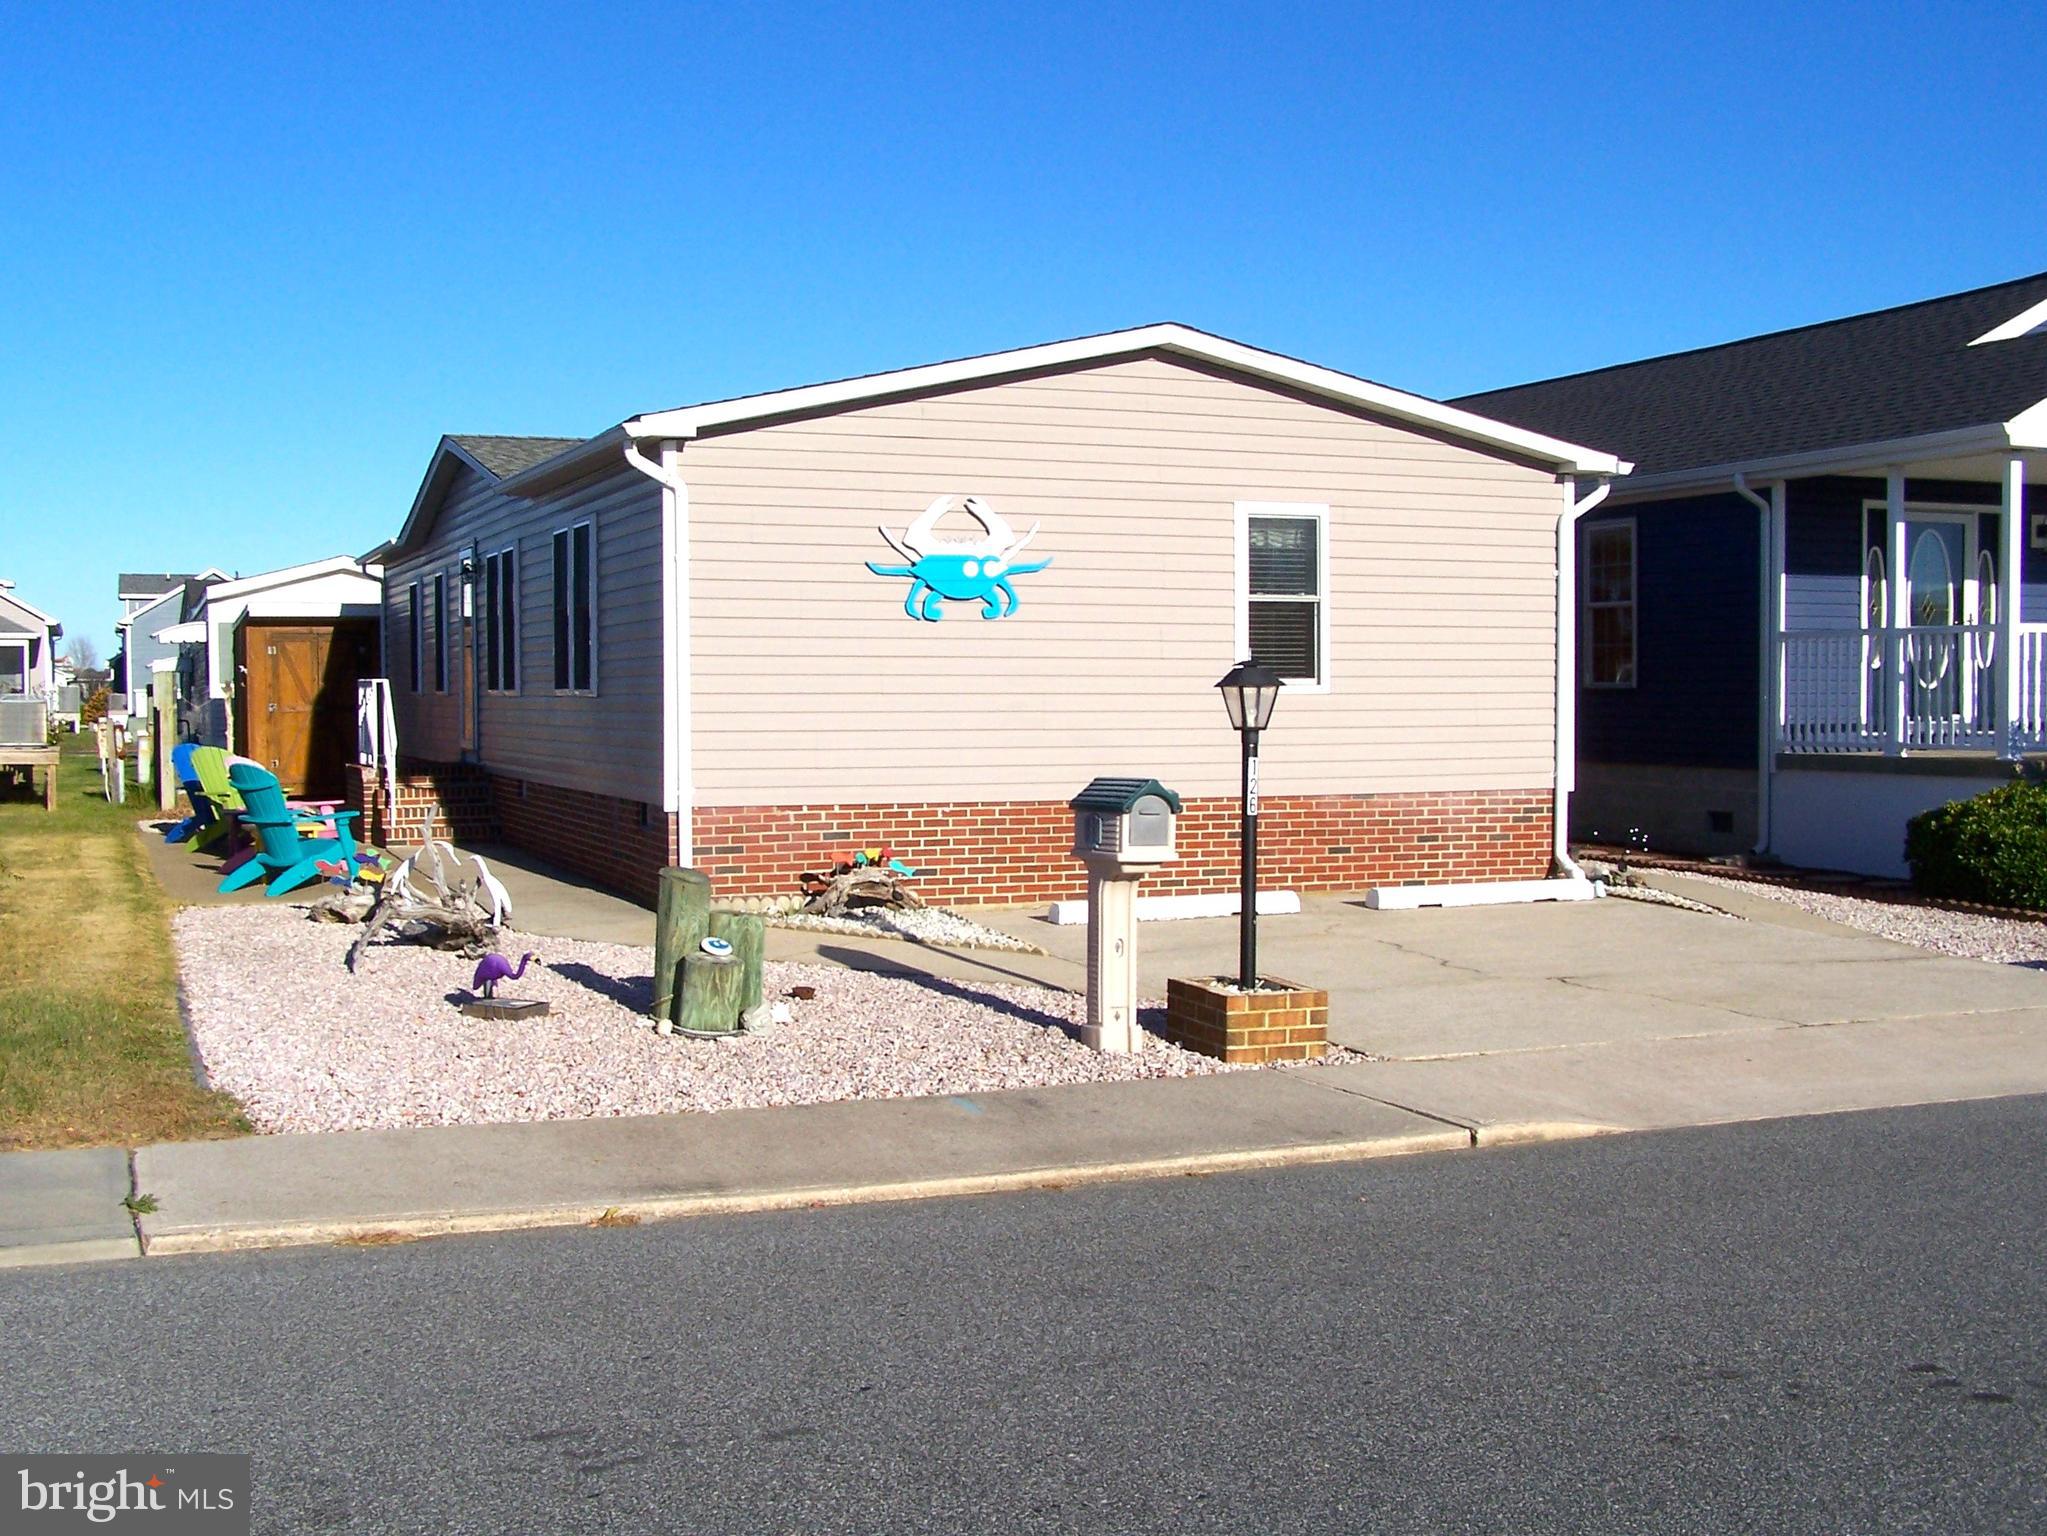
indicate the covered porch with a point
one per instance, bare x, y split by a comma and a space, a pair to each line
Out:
1907, 612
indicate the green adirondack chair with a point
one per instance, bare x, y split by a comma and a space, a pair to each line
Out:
281, 853
209, 773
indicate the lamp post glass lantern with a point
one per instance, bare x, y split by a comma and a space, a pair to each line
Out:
1249, 691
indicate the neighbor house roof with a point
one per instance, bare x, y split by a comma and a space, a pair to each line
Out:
503, 456
1974, 360
150, 583
528, 464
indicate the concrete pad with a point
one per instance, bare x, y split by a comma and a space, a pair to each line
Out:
1827, 987
1511, 1014
269, 1190
553, 902
1765, 1074
65, 1207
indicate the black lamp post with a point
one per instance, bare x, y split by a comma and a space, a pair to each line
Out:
1249, 691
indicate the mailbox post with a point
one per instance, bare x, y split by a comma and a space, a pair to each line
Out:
1122, 828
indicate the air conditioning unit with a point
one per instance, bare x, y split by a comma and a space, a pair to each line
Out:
24, 722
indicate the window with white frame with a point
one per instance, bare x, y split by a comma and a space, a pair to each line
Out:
1282, 607
440, 632
575, 609
14, 668
418, 627
1607, 560
501, 621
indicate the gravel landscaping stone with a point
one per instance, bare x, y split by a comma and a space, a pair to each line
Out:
278, 1022
1967, 935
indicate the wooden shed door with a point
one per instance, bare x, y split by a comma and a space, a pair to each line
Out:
286, 671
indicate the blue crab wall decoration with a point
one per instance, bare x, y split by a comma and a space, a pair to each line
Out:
959, 570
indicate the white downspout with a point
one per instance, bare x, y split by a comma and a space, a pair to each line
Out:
677, 793
1566, 768
1766, 651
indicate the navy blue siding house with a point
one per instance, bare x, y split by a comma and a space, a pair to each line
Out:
1819, 605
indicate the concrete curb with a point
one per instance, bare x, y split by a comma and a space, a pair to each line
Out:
299, 1234
90, 1250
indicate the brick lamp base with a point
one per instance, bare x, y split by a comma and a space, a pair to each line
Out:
1212, 1017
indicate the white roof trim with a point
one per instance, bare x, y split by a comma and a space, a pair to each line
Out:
1183, 340
330, 566
2024, 323
28, 607
2024, 433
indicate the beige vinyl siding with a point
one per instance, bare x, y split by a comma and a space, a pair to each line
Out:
811, 685
608, 743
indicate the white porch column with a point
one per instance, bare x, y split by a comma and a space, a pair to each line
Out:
1896, 661
2011, 554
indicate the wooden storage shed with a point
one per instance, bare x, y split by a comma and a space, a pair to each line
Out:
294, 696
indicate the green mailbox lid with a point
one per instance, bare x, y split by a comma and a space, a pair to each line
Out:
1118, 797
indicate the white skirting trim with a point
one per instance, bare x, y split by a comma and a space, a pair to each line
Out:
1158, 909
1485, 893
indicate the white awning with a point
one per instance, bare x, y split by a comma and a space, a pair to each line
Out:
192, 632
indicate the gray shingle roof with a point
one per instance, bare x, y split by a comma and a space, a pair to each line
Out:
1865, 379
504, 456
150, 583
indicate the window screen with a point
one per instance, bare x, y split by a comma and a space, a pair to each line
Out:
501, 621
1284, 595
440, 634
575, 619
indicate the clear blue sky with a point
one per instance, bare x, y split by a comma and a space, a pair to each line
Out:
254, 261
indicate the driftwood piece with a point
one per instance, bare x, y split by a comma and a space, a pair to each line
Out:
431, 899
869, 886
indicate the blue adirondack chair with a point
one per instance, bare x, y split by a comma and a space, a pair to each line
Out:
203, 813
281, 853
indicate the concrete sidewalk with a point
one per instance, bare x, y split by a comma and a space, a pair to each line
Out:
269, 1190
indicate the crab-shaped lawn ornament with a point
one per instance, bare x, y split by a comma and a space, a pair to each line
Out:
959, 570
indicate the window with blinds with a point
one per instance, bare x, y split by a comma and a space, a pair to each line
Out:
1607, 560
501, 621
575, 617
1282, 622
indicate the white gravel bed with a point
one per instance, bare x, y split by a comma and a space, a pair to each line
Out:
926, 925
1968, 935
280, 1023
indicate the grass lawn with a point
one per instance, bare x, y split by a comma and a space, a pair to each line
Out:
92, 1050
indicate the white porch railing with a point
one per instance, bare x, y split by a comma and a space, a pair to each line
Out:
1926, 687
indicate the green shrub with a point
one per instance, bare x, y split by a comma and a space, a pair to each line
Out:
1992, 848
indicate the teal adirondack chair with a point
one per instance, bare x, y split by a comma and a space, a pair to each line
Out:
281, 853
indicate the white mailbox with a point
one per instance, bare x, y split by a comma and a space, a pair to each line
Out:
1122, 828
1125, 822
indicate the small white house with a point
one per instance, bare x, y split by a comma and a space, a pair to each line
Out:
210, 677
28, 646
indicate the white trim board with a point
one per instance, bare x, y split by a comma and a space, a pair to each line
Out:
1484, 893
1159, 909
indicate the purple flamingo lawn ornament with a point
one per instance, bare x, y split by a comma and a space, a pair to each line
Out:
494, 968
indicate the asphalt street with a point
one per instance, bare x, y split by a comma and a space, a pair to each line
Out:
1833, 1325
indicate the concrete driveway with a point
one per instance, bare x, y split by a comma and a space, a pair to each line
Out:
1472, 981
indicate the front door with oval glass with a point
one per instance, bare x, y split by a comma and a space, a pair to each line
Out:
1947, 661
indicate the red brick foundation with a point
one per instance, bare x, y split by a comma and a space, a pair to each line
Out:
622, 845
1020, 851
1008, 851
449, 801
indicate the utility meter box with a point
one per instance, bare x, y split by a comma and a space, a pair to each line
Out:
1128, 822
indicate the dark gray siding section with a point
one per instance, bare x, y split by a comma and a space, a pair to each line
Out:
608, 742
1697, 618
